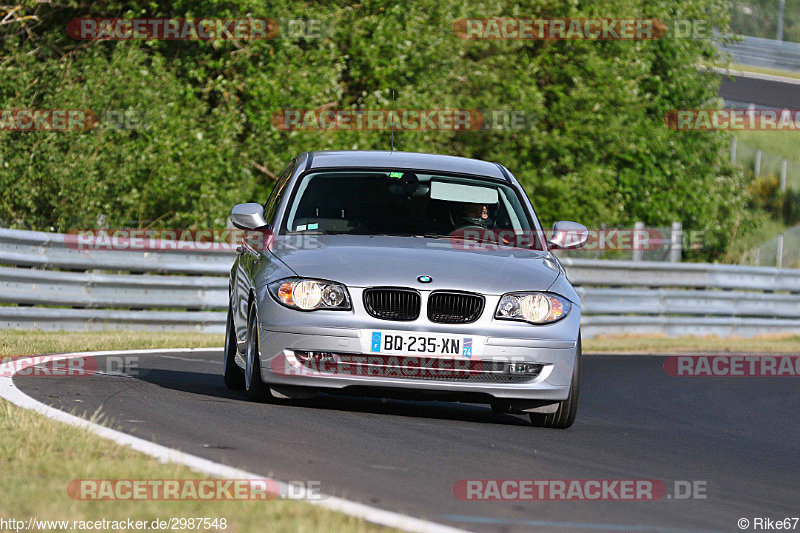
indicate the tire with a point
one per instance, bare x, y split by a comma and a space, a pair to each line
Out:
567, 409
232, 374
256, 390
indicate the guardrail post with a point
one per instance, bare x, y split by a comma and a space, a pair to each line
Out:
676, 239
758, 256
757, 169
638, 228
783, 174
733, 151
779, 258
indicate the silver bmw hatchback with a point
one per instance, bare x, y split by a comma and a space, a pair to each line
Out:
406, 275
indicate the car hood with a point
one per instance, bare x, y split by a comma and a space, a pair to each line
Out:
369, 261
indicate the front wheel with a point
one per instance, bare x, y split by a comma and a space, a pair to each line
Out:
232, 374
255, 388
567, 409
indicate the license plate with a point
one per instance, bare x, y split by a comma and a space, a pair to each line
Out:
393, 343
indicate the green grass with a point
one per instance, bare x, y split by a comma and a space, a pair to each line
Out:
769, 71
39, 457
654, 344
775, 146
745, 243
17, 342
782, 144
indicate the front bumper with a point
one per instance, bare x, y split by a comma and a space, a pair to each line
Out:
286, 333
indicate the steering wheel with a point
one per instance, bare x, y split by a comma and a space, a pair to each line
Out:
469, 227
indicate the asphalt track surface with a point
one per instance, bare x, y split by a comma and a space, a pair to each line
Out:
761, 92
738, 435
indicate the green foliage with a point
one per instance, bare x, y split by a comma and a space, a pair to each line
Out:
764, 194
599, 151
759, 18
790, 206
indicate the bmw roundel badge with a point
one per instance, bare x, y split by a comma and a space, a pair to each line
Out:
424, 279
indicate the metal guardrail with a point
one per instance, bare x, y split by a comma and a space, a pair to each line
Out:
622, 297
767, 53
50, 250
52, 319
47, 287
677, 302
587, 272
165, 293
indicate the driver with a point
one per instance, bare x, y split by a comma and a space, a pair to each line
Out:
479, 215
475, 215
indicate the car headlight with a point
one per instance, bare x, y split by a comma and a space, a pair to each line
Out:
533, 307
310, 294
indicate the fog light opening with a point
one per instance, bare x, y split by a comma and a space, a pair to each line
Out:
524, 368
315, 357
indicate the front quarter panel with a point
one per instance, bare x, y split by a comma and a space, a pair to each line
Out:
563, 287
252, 277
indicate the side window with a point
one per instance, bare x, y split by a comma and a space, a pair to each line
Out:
277, 193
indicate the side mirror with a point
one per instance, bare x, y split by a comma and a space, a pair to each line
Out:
248, 216
568, 235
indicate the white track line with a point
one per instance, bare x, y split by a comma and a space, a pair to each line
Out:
10, 392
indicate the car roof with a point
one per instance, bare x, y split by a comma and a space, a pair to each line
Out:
404, 160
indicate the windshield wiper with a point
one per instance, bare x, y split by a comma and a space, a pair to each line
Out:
433, 236
390, 234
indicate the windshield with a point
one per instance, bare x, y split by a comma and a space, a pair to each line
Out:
406, 203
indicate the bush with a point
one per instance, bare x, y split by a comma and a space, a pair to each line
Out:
599, 151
